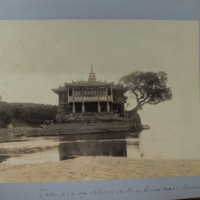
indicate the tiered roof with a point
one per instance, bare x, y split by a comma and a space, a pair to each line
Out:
91, 82
92, 76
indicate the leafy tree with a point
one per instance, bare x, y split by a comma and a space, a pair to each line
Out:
148, 88
5, 119
5, 115
25, 113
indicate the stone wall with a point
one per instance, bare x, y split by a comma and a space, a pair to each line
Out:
63, 112
83, 128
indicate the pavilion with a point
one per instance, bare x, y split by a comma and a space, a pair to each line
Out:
90, 96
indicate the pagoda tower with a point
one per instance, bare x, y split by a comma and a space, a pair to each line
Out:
92, 76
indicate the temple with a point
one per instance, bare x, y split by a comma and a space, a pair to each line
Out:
89, 96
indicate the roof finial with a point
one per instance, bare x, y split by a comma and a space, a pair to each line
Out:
92, 76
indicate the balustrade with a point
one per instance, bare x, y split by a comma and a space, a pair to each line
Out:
89, 98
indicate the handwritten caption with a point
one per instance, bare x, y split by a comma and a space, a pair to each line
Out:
45, 193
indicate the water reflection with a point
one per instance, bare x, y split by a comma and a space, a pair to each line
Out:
34, 150
92, 148
94, 136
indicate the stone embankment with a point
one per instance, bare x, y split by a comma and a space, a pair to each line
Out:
17, 131
81, 128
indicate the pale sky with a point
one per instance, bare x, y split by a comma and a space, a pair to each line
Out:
36, 56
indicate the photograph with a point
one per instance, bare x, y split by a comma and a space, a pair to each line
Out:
85, 100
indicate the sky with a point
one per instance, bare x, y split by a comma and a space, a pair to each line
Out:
36, 56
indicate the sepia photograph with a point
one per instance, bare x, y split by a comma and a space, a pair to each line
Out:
84, 100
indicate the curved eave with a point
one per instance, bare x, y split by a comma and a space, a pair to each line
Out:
88, 84
58, 91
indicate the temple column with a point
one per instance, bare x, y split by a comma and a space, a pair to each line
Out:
68, 94
106, 93
108, 107
83, 107
111, 93
73, 108
99, 107
83, 104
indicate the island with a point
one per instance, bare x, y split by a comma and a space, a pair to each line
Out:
88, 107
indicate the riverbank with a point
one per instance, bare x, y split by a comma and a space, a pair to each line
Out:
73, 128
16, 131
98, 168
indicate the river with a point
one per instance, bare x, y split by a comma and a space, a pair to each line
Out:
167, 140
31, 150
171, 140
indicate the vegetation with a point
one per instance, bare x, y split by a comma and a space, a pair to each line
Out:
148, 88
5, 118
25, 113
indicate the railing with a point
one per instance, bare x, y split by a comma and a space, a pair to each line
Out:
62, 101
90, 99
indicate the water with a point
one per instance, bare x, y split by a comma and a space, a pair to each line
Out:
164, 140
26, 150
171, 140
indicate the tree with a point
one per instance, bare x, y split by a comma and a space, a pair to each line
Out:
5, 115
148, 88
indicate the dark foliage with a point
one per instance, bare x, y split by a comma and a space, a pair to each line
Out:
5, 119
28, 113
148, 87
